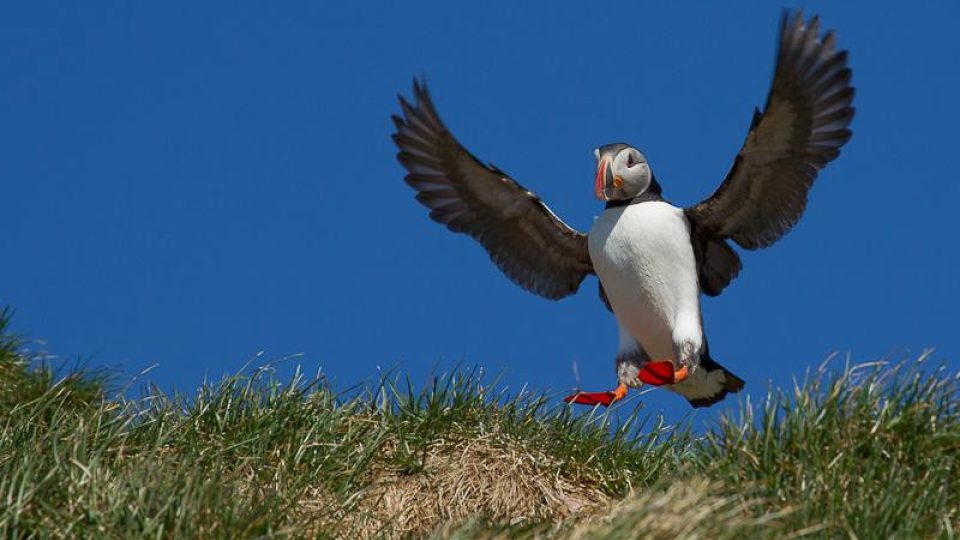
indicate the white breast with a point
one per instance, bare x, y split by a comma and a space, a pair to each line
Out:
644, 258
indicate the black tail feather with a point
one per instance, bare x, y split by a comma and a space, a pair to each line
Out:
731, 384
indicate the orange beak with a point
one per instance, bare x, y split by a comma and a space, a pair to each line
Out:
600, 184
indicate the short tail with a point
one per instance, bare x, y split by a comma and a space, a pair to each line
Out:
708, 384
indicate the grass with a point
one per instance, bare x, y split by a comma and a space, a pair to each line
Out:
865, 452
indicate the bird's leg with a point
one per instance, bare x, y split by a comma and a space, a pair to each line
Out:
630, 358
687, 344
656, 373
634, 368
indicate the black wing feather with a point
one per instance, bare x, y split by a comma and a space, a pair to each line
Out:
529, 243
802, 127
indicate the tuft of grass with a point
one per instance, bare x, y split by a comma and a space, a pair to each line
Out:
870, 451
25, 376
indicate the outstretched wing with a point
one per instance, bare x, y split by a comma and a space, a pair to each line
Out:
532, 246
801, 129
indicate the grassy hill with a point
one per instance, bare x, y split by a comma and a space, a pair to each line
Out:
869, 452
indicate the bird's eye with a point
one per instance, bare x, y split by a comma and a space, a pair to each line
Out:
630, 161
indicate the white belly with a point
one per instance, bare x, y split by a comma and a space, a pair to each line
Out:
644, 258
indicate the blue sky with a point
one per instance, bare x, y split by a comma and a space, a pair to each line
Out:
188, 184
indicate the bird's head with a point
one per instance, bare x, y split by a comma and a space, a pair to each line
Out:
622, 172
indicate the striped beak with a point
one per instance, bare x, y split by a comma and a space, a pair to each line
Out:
604, 177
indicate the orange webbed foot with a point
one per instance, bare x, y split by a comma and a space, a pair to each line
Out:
662, 372
598, 398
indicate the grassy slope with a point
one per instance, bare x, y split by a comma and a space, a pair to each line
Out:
872, 452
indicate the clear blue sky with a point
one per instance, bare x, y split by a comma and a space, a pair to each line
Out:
188, 184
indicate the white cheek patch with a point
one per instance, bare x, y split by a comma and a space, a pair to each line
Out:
637, 178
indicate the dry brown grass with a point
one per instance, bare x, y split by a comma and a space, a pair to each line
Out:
490, 476
690, 509
695, 509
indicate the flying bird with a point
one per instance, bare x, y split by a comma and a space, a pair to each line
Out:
653, 259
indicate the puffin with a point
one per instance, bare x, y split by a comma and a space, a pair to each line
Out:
654, 260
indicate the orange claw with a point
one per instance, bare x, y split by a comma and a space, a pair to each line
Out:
681, 374
620, 392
